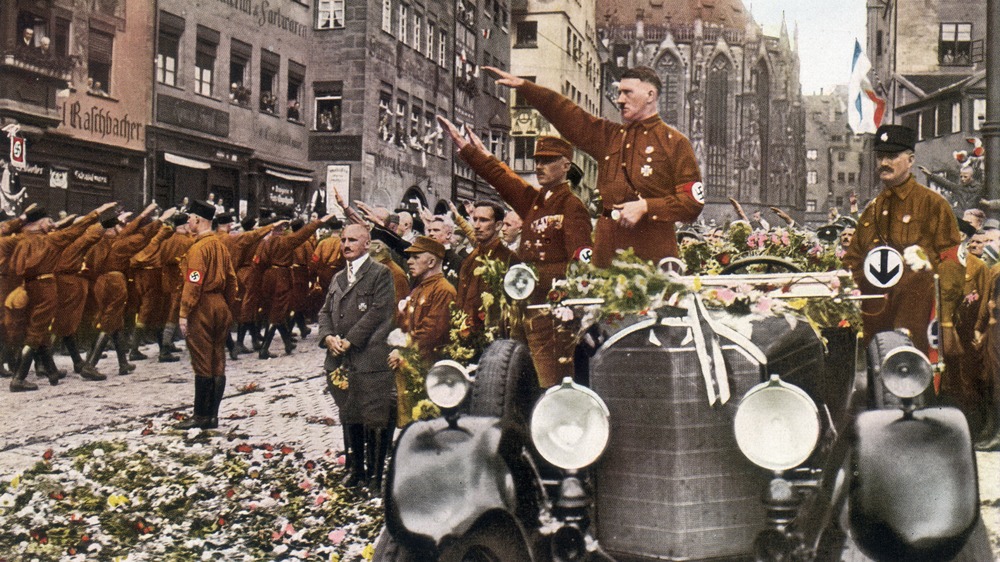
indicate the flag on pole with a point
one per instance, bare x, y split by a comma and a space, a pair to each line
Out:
864, 108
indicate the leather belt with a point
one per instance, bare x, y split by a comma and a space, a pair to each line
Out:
41, 277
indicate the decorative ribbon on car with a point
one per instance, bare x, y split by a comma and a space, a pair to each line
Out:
709, 351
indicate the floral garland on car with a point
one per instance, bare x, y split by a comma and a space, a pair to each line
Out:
181, 499
797, 247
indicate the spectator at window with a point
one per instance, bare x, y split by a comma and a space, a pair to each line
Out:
294, 110
27, 42
45, 47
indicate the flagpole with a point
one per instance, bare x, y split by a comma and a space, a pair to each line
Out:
991, 128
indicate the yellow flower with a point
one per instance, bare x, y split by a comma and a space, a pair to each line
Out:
16, 481
696, 285
487, 300
115, 500
334, 557
369, 551
797, 304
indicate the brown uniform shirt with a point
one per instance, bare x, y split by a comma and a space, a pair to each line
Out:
426, 316
208, 268
646, 159
556, 224
469, 293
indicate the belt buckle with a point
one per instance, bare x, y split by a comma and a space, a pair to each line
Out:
616, 215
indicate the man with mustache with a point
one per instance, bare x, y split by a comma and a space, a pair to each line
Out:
647, 177
906, 214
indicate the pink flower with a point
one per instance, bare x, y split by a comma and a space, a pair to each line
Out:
726, 295
320, 499
306, 485
337, 536
763, 305
341, 460
835, 283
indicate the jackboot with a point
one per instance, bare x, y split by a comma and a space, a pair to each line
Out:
134, 353
256, 340
300, 321
234, 354
241, 335
89, 370
19, 382
375, 460
357, 476
203, 394
265, 344
69, 342
44, 356
4, 362
121, 350
218, 391
286, 338
169, 337
166, 343
348, 456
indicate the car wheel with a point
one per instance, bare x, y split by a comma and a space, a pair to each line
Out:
506, 385
388, 550
497, 542
761, 264
838, 546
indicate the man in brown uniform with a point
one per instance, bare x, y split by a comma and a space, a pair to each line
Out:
276, 253
486, 220
172, 251
903, 215
556, 227
647, 178
9, 231
248, 281
209, 286
74, 287
34, 260
147, 275
424, 316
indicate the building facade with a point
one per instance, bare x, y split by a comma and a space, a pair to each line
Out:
556, 46
68, 80
928, 63
731, 89
833, 157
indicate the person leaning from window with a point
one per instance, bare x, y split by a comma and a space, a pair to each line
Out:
967, 193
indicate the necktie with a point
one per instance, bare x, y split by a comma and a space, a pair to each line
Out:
350, 273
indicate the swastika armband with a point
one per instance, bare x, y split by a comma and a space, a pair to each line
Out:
194, 276
694, 189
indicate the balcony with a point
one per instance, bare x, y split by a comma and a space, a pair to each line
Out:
28, 85
56, 67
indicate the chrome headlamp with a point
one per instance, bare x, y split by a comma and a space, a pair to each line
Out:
519, 282
570, 425
906, 372
447, 383
777, 425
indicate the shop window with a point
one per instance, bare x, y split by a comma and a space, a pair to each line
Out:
329, 14
387, 16
99, 62
527, 34
955, 44
206, 49
269, 63
166, 57
239, 63
524, 154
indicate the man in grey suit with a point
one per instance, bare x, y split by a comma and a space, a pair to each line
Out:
355, 321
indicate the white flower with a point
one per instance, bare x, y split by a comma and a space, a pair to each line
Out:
193, 432
397, 338
7, 500
916, 258
98, 453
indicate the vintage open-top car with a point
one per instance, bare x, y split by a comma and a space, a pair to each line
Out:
701, 435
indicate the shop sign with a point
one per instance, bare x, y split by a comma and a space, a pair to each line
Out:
339, 148
58, 178
33, 170
338, 180
95, 178
175, 111
281, 195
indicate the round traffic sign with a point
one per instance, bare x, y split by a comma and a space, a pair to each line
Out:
883, 267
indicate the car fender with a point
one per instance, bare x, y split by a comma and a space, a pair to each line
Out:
443, 479
914, 494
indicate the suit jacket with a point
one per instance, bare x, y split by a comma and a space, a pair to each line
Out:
364, 314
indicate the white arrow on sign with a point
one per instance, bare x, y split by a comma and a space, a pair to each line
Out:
883, 267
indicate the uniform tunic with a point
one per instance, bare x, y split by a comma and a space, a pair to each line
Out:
902, 216
72, 286
147, 271
172, 251
469, 293
8, 240
275, 254
35, 259
646, 159
242, 252
327, 259
108, 261
425, 316
209, 285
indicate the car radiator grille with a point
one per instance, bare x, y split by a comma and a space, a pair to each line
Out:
673, 484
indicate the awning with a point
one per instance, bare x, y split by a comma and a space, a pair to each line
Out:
289, 177
186, 162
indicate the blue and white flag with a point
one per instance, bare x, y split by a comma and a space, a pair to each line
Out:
864, 108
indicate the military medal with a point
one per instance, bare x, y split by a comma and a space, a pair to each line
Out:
649, 150
362, 306
646, 171
906, 219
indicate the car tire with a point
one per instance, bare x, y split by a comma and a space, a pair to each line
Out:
388, 550
506, 385
490, 541
840, 547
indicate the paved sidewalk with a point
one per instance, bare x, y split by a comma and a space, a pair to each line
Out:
291, 405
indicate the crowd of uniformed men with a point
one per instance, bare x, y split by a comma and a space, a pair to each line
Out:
215, 278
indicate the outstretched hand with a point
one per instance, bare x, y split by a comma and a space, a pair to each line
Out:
168, 213
739, 209
505, 78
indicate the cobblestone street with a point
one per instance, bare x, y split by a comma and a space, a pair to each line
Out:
291, 405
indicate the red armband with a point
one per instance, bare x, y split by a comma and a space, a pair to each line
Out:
694, 189
951, 254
